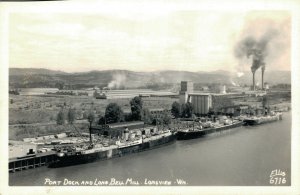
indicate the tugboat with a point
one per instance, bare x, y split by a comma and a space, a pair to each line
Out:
205, 128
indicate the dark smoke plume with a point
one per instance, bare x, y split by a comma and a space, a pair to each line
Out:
257, 48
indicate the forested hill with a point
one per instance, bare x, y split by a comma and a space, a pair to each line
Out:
30, 77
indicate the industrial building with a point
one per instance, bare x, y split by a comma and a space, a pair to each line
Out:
202, 102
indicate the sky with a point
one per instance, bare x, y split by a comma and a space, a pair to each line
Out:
145, 40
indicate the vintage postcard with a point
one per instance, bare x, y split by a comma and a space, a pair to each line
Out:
136, 96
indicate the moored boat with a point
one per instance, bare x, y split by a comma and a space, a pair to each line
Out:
257, 120
185, 134
90, 153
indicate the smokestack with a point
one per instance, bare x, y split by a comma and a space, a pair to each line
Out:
253, 70
258, 49
253, 79
262, 76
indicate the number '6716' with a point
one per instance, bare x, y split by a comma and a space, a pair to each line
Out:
277, 180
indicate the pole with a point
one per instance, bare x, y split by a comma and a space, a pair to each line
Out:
262, 79
193, 124
253, 79
90, 129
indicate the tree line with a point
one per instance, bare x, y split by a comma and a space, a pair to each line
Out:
114, 114
182, 110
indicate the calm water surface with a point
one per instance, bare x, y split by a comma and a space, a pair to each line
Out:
242, 156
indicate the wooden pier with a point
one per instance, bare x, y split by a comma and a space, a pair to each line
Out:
31, 161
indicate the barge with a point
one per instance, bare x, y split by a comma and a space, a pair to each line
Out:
263, 119
199, 132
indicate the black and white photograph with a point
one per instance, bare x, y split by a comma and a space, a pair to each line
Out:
141, 95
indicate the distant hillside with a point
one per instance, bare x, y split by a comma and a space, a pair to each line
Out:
272, 77
23, 71
129, 79
197, 77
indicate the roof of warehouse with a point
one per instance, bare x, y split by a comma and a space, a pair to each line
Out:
214, 94
121, 128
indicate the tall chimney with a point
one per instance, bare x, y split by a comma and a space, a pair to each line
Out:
253, 79
262, 77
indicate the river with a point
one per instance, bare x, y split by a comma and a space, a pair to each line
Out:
245, 156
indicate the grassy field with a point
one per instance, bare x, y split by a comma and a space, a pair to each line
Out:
30, 116
18, 132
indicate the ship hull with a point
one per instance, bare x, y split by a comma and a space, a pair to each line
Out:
263, 120
252, 122
182, 135
111, 153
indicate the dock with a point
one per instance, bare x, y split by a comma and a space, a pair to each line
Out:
31, 161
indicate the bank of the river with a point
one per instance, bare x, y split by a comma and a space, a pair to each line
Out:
241, 156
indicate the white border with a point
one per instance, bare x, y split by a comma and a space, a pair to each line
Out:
96, 6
